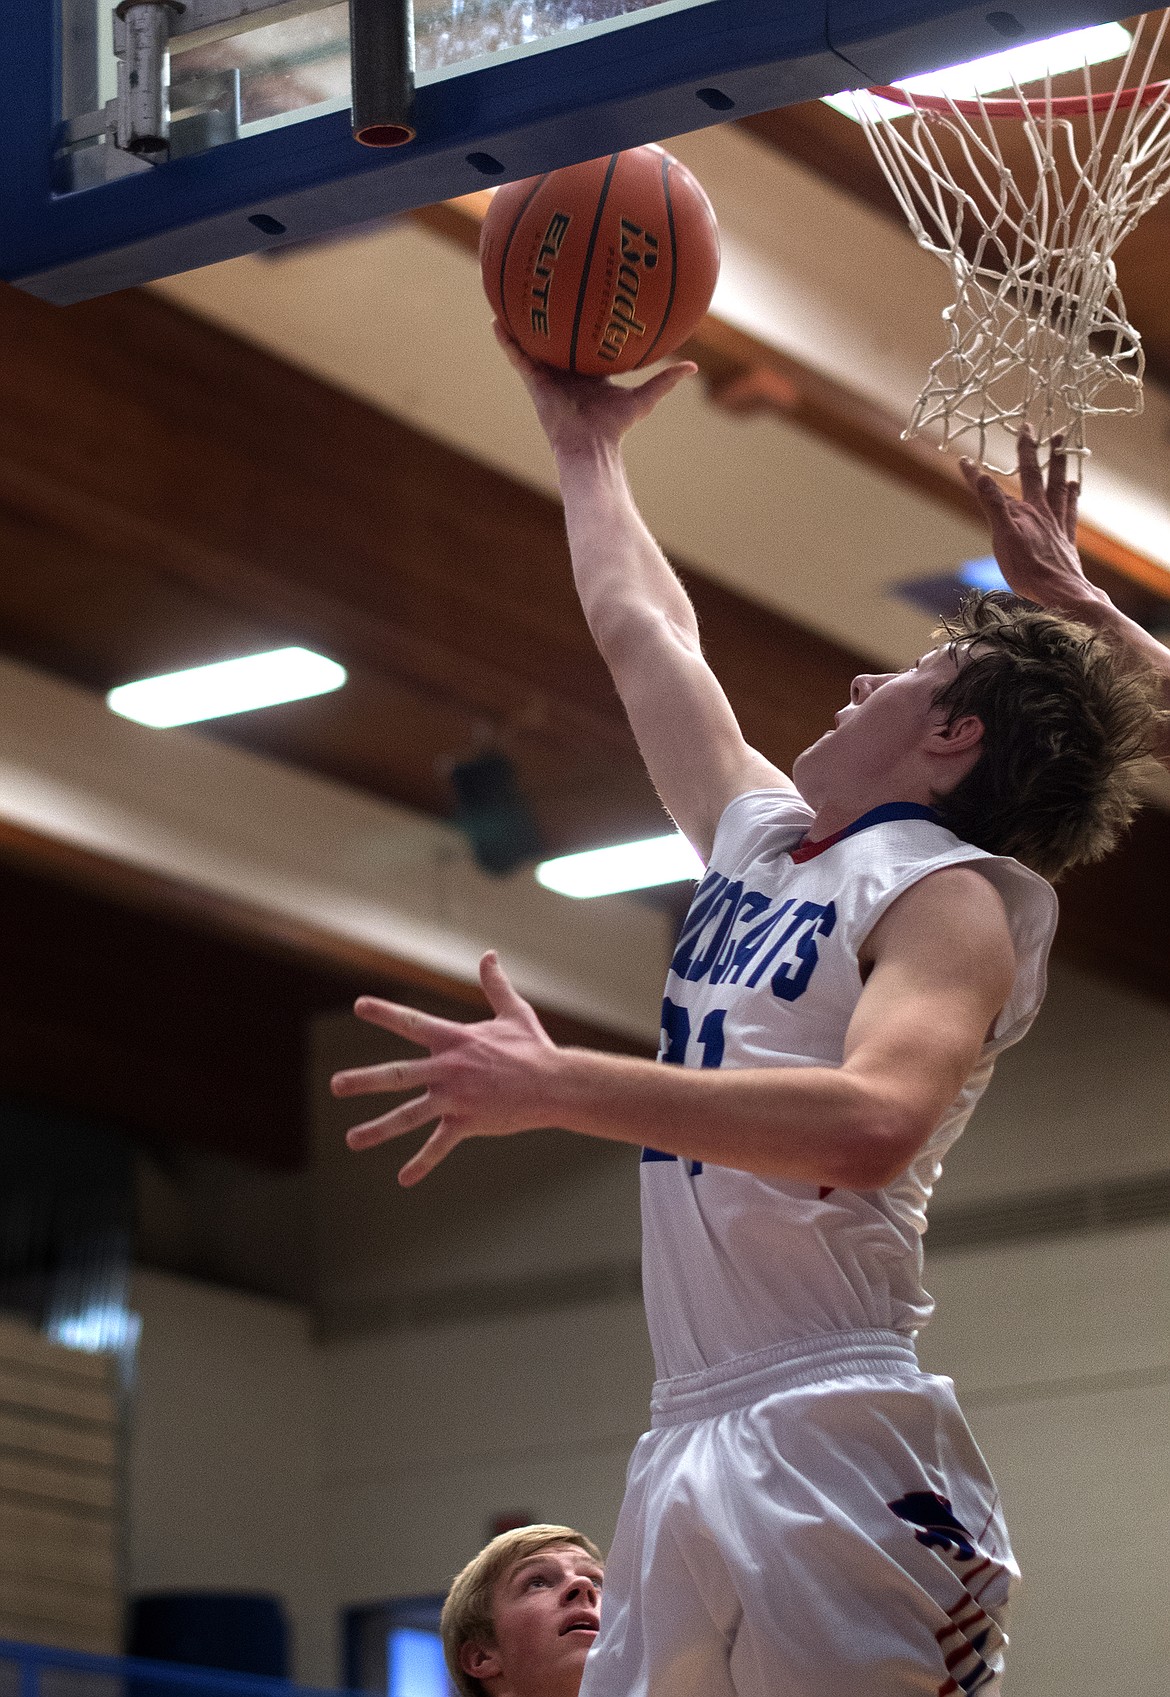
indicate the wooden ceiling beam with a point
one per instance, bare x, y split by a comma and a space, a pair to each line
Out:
343, 531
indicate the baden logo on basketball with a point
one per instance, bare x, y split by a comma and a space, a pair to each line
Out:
542, 274
639, 252
601, 267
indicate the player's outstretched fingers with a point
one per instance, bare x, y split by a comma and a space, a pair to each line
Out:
656, 388
409, 1117
385, 1076
417, 1027
1072, 498
498, 988
985, 489
1031, 477
446, 1135
1056, 485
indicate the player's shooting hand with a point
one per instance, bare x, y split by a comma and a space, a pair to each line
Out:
1034, 534
489, 1078
579, 413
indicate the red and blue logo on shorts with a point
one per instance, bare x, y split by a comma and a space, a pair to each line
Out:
972, 1640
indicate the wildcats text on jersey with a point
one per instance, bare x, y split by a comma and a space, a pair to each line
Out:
734, 934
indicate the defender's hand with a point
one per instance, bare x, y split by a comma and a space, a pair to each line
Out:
581, 413
486, 1079
1034, 534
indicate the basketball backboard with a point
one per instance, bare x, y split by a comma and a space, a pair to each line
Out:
260, 150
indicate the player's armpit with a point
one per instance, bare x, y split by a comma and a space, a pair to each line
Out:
941, 964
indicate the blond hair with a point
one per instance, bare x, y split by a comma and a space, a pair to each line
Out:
467, 1613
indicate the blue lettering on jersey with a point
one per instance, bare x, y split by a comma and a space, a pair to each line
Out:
706, 897
797, 950
732, 935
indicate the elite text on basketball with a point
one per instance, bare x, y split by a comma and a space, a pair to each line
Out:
542, 274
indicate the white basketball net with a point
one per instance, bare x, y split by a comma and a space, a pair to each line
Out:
1038, 331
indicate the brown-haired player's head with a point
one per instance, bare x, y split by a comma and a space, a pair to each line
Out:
521, 1616
1067, 722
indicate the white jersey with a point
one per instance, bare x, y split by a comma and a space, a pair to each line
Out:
766, 974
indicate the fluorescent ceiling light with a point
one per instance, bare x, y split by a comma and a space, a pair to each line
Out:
626, 866
228, 686
1028, 64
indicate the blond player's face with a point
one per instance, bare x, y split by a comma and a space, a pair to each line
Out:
546, 1611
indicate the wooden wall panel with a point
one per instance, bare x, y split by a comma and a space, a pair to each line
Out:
60, 1582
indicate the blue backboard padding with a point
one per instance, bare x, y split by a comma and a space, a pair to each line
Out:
592, 95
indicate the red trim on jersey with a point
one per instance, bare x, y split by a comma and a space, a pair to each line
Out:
809, 849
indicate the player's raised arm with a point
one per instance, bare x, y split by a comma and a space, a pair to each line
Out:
639, 613
1035, 540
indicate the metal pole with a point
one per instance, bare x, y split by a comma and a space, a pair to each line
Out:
144, 119
381, 44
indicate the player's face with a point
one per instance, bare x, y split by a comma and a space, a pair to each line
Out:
887, 719
546, 1611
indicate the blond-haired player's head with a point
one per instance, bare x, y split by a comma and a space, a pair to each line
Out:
520, 1618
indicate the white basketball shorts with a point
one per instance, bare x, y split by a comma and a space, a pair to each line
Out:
811, 1521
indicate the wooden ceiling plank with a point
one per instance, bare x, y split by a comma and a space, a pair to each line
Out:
289, 597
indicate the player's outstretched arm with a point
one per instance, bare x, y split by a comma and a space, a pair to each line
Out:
640, 615
1035, 540
940, 965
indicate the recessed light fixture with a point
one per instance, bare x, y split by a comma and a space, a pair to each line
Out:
1027, 64
625, 866
227, 686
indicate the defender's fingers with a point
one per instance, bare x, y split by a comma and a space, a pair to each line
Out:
1057, 482
497, 987
387, 1075
1031, 477
416, 1027
409, 1117
983, 486
446, 1135
1071, 503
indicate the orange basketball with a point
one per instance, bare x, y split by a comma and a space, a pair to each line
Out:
601, 267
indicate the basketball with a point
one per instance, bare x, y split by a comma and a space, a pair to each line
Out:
601, 267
